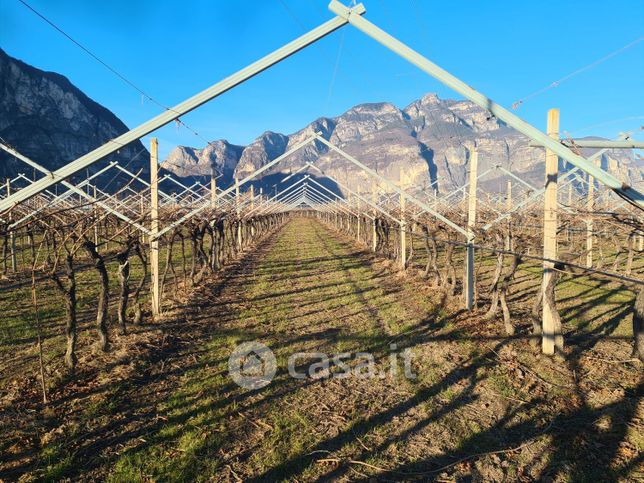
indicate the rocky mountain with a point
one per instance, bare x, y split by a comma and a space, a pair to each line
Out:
429, 140
46, 118
220, 155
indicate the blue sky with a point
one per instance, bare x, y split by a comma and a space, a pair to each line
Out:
506, 49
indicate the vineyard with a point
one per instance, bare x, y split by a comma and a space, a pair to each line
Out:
521, 309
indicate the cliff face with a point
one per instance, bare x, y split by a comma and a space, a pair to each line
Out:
221, 155
429, 140
46, 118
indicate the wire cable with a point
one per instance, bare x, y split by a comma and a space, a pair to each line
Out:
335, 72
557, 83
114, 71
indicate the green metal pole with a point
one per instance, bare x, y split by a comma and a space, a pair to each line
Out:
485, 102
180, 109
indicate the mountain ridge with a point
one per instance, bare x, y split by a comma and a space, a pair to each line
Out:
429, 140
44, 116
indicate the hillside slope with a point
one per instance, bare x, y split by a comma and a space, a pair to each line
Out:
46, 118
429, 140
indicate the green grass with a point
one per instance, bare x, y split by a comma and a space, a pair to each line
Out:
195, 430
19, 329
57, 462
313, 291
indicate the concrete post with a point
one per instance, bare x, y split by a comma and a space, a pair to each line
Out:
154, 227
468, 282
590, 203
12, 235
213, 187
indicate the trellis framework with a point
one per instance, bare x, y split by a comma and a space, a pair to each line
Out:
307, 192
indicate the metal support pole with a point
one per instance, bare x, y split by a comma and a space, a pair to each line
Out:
483, 101
374, 233
239, 227
590, 204
468, 282
179, 110
508, 207
213, 188
403, 227
551, 326
95, 210
142, 215
12, 234
154, 227
359, 220
252, 207
596, 143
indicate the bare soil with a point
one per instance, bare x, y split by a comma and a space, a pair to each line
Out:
483, 407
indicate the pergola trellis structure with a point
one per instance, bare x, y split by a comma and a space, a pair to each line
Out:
311, 193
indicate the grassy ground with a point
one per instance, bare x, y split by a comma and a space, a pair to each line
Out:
482, 406
22, 322
585, 301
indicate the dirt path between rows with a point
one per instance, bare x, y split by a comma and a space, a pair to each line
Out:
481, 405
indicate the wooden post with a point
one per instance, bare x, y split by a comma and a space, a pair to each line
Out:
551, 325
252, 207
468, 280
508, 207
569, 227
96, 221
403, 225
358, 228
589, 222
403, 235
348, 224
239, 227
12, 235
154, 227
213, 187
374, 240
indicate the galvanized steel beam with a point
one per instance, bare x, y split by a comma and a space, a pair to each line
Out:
595, 143
180, 109
485, 102
70, 186
393, 186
